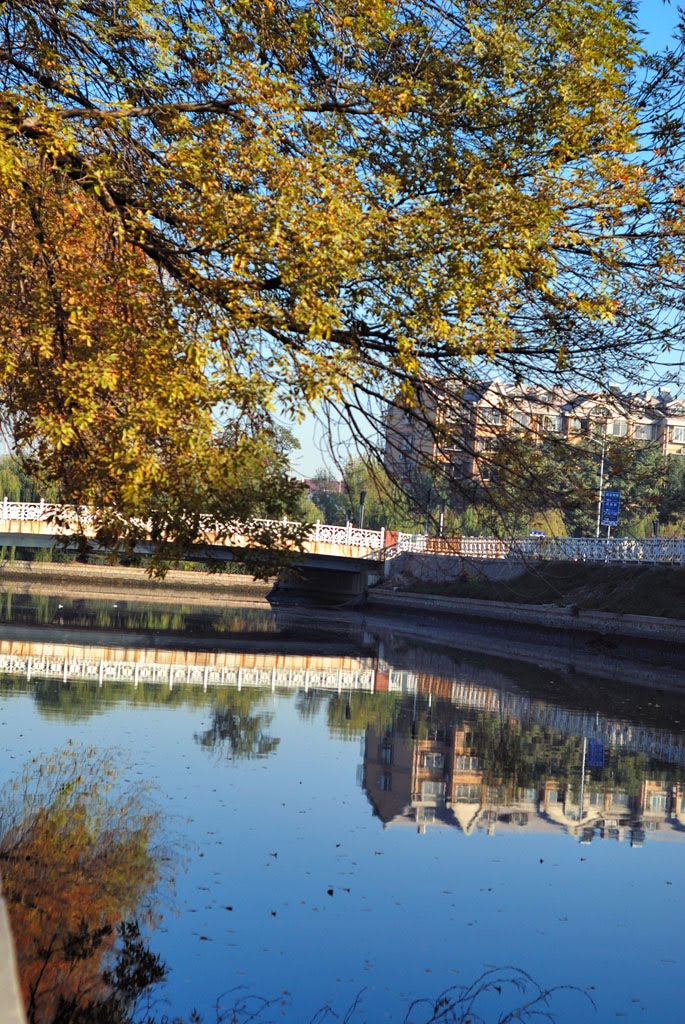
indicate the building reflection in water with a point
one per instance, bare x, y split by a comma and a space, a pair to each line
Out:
462, 747
443, 765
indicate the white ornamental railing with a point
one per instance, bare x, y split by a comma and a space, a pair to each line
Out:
651, 550
54, 666
347, 536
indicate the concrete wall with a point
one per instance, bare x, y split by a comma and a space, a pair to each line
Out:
445, 568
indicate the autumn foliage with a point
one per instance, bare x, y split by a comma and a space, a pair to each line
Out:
216, 215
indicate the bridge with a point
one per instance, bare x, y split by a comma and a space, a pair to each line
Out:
335, 562
348, 549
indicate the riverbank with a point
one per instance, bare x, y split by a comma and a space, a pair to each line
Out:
634, 589
569, 616
102, 579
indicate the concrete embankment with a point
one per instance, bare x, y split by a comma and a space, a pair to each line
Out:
571, 618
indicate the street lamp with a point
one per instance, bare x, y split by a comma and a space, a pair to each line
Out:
362, 502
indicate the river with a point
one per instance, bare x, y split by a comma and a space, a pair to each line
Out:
331, 810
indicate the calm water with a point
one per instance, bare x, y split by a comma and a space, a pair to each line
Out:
348, 813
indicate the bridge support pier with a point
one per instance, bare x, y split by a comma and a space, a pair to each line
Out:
326, 586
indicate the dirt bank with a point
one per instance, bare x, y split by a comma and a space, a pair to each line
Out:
93, 579
654, 590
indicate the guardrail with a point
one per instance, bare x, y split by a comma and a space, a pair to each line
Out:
322, 533
653, 550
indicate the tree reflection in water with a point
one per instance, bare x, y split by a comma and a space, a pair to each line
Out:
235, 731
78, 864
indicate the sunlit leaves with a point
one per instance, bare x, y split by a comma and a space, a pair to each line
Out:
262, 207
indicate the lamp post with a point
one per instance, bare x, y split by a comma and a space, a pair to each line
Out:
362, 502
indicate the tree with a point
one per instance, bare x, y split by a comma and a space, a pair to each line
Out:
268, 206
572, 479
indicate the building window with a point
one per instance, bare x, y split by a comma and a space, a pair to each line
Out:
433, 761
644, 432
385, 782
678, 434
386, 753
497, 794
467, 794
657, 802
466, 764
493, 416
425, 815
575, 424
618, 428
520, 421
553, 423
432, 790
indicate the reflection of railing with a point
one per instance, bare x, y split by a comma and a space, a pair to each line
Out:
657, 743
102, 671
360, 676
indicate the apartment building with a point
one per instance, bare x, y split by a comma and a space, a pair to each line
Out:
457, 425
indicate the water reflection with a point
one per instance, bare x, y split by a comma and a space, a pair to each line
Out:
236, 729
438, 749
79, 863
67, 609
293, 766
491, 771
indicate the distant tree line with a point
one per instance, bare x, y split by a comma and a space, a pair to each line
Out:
652, 487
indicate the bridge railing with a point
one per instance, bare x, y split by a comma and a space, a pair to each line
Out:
654, 550
651, 550
349, 535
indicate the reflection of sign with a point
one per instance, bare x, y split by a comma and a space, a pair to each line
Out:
611, 506
595, 754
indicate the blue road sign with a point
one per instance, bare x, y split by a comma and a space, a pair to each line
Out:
611, 507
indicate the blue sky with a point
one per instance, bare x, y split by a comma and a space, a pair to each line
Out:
658, 19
